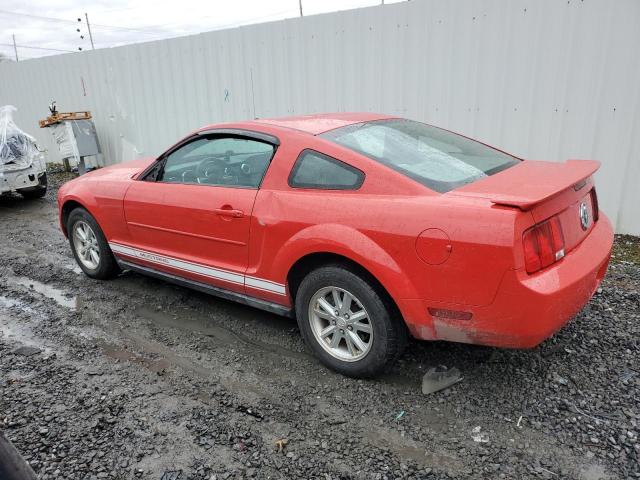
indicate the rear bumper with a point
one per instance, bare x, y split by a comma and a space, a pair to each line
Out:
527, 308
14, 180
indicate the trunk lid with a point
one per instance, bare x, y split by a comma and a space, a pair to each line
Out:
545, 189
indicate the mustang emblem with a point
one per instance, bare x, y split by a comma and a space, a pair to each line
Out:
584, 216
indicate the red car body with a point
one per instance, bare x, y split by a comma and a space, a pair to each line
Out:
454, 263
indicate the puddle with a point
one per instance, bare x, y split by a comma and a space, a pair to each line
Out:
86, 332
15, 303
230, 381
18, 332
161, 355
155, 365
59, 296
14, 332
164, 357
8, 302
18, 304
222, 335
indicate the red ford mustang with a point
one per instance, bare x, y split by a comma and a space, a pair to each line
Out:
366, 227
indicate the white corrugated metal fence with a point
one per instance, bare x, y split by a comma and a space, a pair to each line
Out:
544, 79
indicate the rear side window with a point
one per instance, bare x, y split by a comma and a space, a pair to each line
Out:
316, 170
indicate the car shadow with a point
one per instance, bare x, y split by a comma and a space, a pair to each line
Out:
193, 311
14, 201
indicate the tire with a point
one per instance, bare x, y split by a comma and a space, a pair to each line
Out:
106, 266
38, 191
382, 346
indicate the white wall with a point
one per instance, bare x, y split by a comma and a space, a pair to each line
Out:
544, 79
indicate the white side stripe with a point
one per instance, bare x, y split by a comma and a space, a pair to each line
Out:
264, 285
215, 273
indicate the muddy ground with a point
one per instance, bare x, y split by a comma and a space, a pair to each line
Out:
137, 378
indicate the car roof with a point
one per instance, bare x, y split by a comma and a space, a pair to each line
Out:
323, 122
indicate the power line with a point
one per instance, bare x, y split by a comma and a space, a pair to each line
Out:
10, 57
36, 16
62, 20
136, 7
36, 48
243, 23
165, 34
151, 30
162, 31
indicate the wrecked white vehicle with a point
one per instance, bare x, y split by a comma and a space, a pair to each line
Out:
22, 164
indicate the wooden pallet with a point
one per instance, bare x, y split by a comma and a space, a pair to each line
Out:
62, 117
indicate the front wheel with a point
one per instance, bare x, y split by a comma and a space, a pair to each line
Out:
89, 246
347, 322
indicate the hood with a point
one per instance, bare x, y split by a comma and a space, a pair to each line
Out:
122, 170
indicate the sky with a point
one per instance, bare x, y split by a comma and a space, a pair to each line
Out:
52, 25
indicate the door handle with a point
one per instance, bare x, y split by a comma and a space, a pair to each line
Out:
229, 212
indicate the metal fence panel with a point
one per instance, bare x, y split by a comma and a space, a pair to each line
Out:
544, 79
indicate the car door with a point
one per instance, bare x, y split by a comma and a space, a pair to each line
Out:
190, 214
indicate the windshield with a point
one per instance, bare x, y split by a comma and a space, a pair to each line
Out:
436, 158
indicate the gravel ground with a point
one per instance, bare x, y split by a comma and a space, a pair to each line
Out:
136, 378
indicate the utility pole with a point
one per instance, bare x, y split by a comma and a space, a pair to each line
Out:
89, 28
15, 49
300, 3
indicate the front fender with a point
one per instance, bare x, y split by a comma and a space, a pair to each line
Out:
350, 243
102, 198
68, 193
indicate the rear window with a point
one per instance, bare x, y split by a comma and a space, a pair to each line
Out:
436, 158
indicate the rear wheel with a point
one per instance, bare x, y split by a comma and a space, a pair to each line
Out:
347, 322
89, 246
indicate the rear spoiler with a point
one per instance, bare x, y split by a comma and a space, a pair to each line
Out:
531, 182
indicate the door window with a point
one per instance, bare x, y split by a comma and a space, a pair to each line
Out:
222, 161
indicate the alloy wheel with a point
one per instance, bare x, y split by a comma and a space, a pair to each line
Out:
340, 324
86, 245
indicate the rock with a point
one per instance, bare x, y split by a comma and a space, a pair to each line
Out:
478, 436
84, 416
27, 351
439, 378
172, 475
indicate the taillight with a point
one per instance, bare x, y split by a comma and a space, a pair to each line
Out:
543, 245
594, 204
